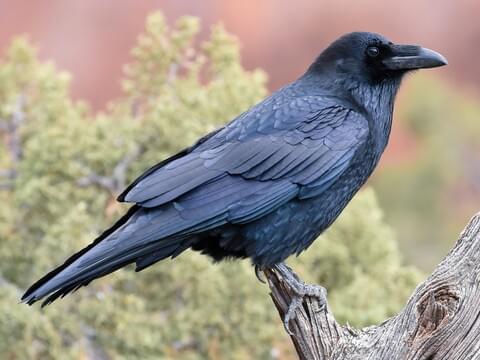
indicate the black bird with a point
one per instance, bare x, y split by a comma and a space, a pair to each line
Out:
269, 182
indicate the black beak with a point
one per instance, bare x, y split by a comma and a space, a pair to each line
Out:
411, 57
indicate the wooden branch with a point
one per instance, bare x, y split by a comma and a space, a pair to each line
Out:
116, 182
441, 320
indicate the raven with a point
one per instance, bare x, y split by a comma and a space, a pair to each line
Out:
265, 185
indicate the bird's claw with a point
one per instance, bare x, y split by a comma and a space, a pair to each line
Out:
259, 274
300, 290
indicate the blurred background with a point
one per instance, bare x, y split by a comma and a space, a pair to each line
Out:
92, 39
427, 185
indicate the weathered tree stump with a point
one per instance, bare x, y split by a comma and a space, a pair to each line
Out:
441, 320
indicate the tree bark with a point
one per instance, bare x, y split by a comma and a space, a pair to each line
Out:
441, 320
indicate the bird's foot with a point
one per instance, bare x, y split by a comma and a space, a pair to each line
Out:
300, 290
259, 274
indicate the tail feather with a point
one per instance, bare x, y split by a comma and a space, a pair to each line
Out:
108, 253
175, 250
78, 280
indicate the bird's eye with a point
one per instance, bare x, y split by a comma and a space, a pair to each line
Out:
373, 51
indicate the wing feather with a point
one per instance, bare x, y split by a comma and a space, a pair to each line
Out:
257, 163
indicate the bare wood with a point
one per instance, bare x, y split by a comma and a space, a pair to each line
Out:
441, 320
116, 182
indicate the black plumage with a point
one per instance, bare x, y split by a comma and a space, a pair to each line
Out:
268, 183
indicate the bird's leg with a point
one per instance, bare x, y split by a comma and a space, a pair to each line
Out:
300, 290
259, 274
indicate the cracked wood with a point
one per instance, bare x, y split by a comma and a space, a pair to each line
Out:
441, 320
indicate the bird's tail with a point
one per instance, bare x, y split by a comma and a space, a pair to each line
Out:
118, 246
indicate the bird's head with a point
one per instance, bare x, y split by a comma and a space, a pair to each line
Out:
371, 58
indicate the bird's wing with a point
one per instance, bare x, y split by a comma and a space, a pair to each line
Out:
258, 162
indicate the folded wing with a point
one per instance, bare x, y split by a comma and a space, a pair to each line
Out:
299, 146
